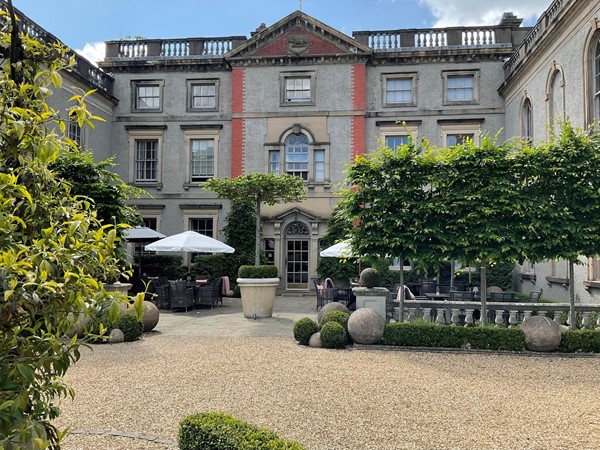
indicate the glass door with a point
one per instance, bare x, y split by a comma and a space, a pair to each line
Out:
297, 264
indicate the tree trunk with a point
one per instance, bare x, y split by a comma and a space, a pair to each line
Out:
573, 324
402, 292
483, 293
257, 237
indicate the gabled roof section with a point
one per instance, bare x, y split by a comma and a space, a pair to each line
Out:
298, 35
297, 211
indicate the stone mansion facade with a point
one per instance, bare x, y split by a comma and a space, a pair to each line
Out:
300, 97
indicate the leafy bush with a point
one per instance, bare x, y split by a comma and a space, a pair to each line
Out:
163, 266
575, 341
304, 329
430, 335
216, 266
267, 271
218, 431
131, 327
340, 317
100, 318
333, 335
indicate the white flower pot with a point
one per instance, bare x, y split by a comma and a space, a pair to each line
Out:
258, 296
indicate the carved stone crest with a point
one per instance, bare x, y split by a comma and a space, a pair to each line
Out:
297, 43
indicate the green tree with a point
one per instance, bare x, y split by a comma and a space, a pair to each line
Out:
52, 247
258, 188
98, 183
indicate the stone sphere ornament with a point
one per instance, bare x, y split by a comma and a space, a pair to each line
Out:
541, 334
365, 326
315, 341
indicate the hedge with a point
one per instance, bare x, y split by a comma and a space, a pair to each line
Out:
576, 341
266, 271
218, 431
430, 335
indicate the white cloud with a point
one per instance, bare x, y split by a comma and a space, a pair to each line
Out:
93, 52
450, 13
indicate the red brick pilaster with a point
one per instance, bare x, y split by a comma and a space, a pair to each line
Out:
237, 124
359, 94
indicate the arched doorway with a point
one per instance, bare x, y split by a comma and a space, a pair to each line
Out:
297, 237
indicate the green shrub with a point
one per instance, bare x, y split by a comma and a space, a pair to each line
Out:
304, 329
340, 317
333, 335
216, 266
431, 335
576, 341
131, 327
266, 271
369, 277
101, 315
218, 431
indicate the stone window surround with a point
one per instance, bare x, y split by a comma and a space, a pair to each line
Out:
467, 126
413, 76
199, 212
310, 74
135, 84
191, 132
461, 73
399, 128
199, 82
145, 133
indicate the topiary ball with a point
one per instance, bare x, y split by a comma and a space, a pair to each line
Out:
304, 329
340, 317
370, 278
132, 329
333, 335
332, 306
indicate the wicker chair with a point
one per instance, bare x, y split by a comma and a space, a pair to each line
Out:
182, 295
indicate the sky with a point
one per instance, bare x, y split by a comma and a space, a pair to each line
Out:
84, 25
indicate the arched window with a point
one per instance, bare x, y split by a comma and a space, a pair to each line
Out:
527, 120
596, 78
296, 155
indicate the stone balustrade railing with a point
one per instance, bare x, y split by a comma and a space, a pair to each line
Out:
97, 77
437, 38
499, 313
548, 18
192, 48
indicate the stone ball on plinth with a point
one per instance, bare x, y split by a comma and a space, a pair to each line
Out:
541, 334
331, 306
315, 341
365, 326
150, 317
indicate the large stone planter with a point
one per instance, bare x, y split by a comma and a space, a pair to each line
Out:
258, 296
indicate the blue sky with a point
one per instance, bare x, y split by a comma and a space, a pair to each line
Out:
81, 22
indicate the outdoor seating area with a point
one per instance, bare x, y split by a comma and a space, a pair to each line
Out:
186, 295
327, 291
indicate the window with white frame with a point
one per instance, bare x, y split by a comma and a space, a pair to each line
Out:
202, 159
203, 225
298, 88
457, 133
74, 132
147, 95
203, 95
296, 155
145, 149
274, 164
399, 89
394, 141
202, 153
319, 165
461, 87
146, 160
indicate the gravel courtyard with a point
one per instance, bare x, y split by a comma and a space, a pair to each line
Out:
331, 399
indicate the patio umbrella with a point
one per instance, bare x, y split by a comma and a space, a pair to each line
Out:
140, 235
189, 241
339, 250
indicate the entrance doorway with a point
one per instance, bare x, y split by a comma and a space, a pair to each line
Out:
297, 255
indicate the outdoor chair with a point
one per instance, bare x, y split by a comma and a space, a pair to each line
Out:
462, 296
162, 293
182, 295
428, 286
534, 296
209, 294
324, 295
502, 297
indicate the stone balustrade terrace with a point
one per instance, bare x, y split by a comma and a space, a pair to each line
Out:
83, 68
555, 12
436, 38
508, 314
154, 49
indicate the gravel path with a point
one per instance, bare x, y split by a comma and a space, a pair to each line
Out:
333, 399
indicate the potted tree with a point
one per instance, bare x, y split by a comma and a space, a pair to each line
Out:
258, 284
